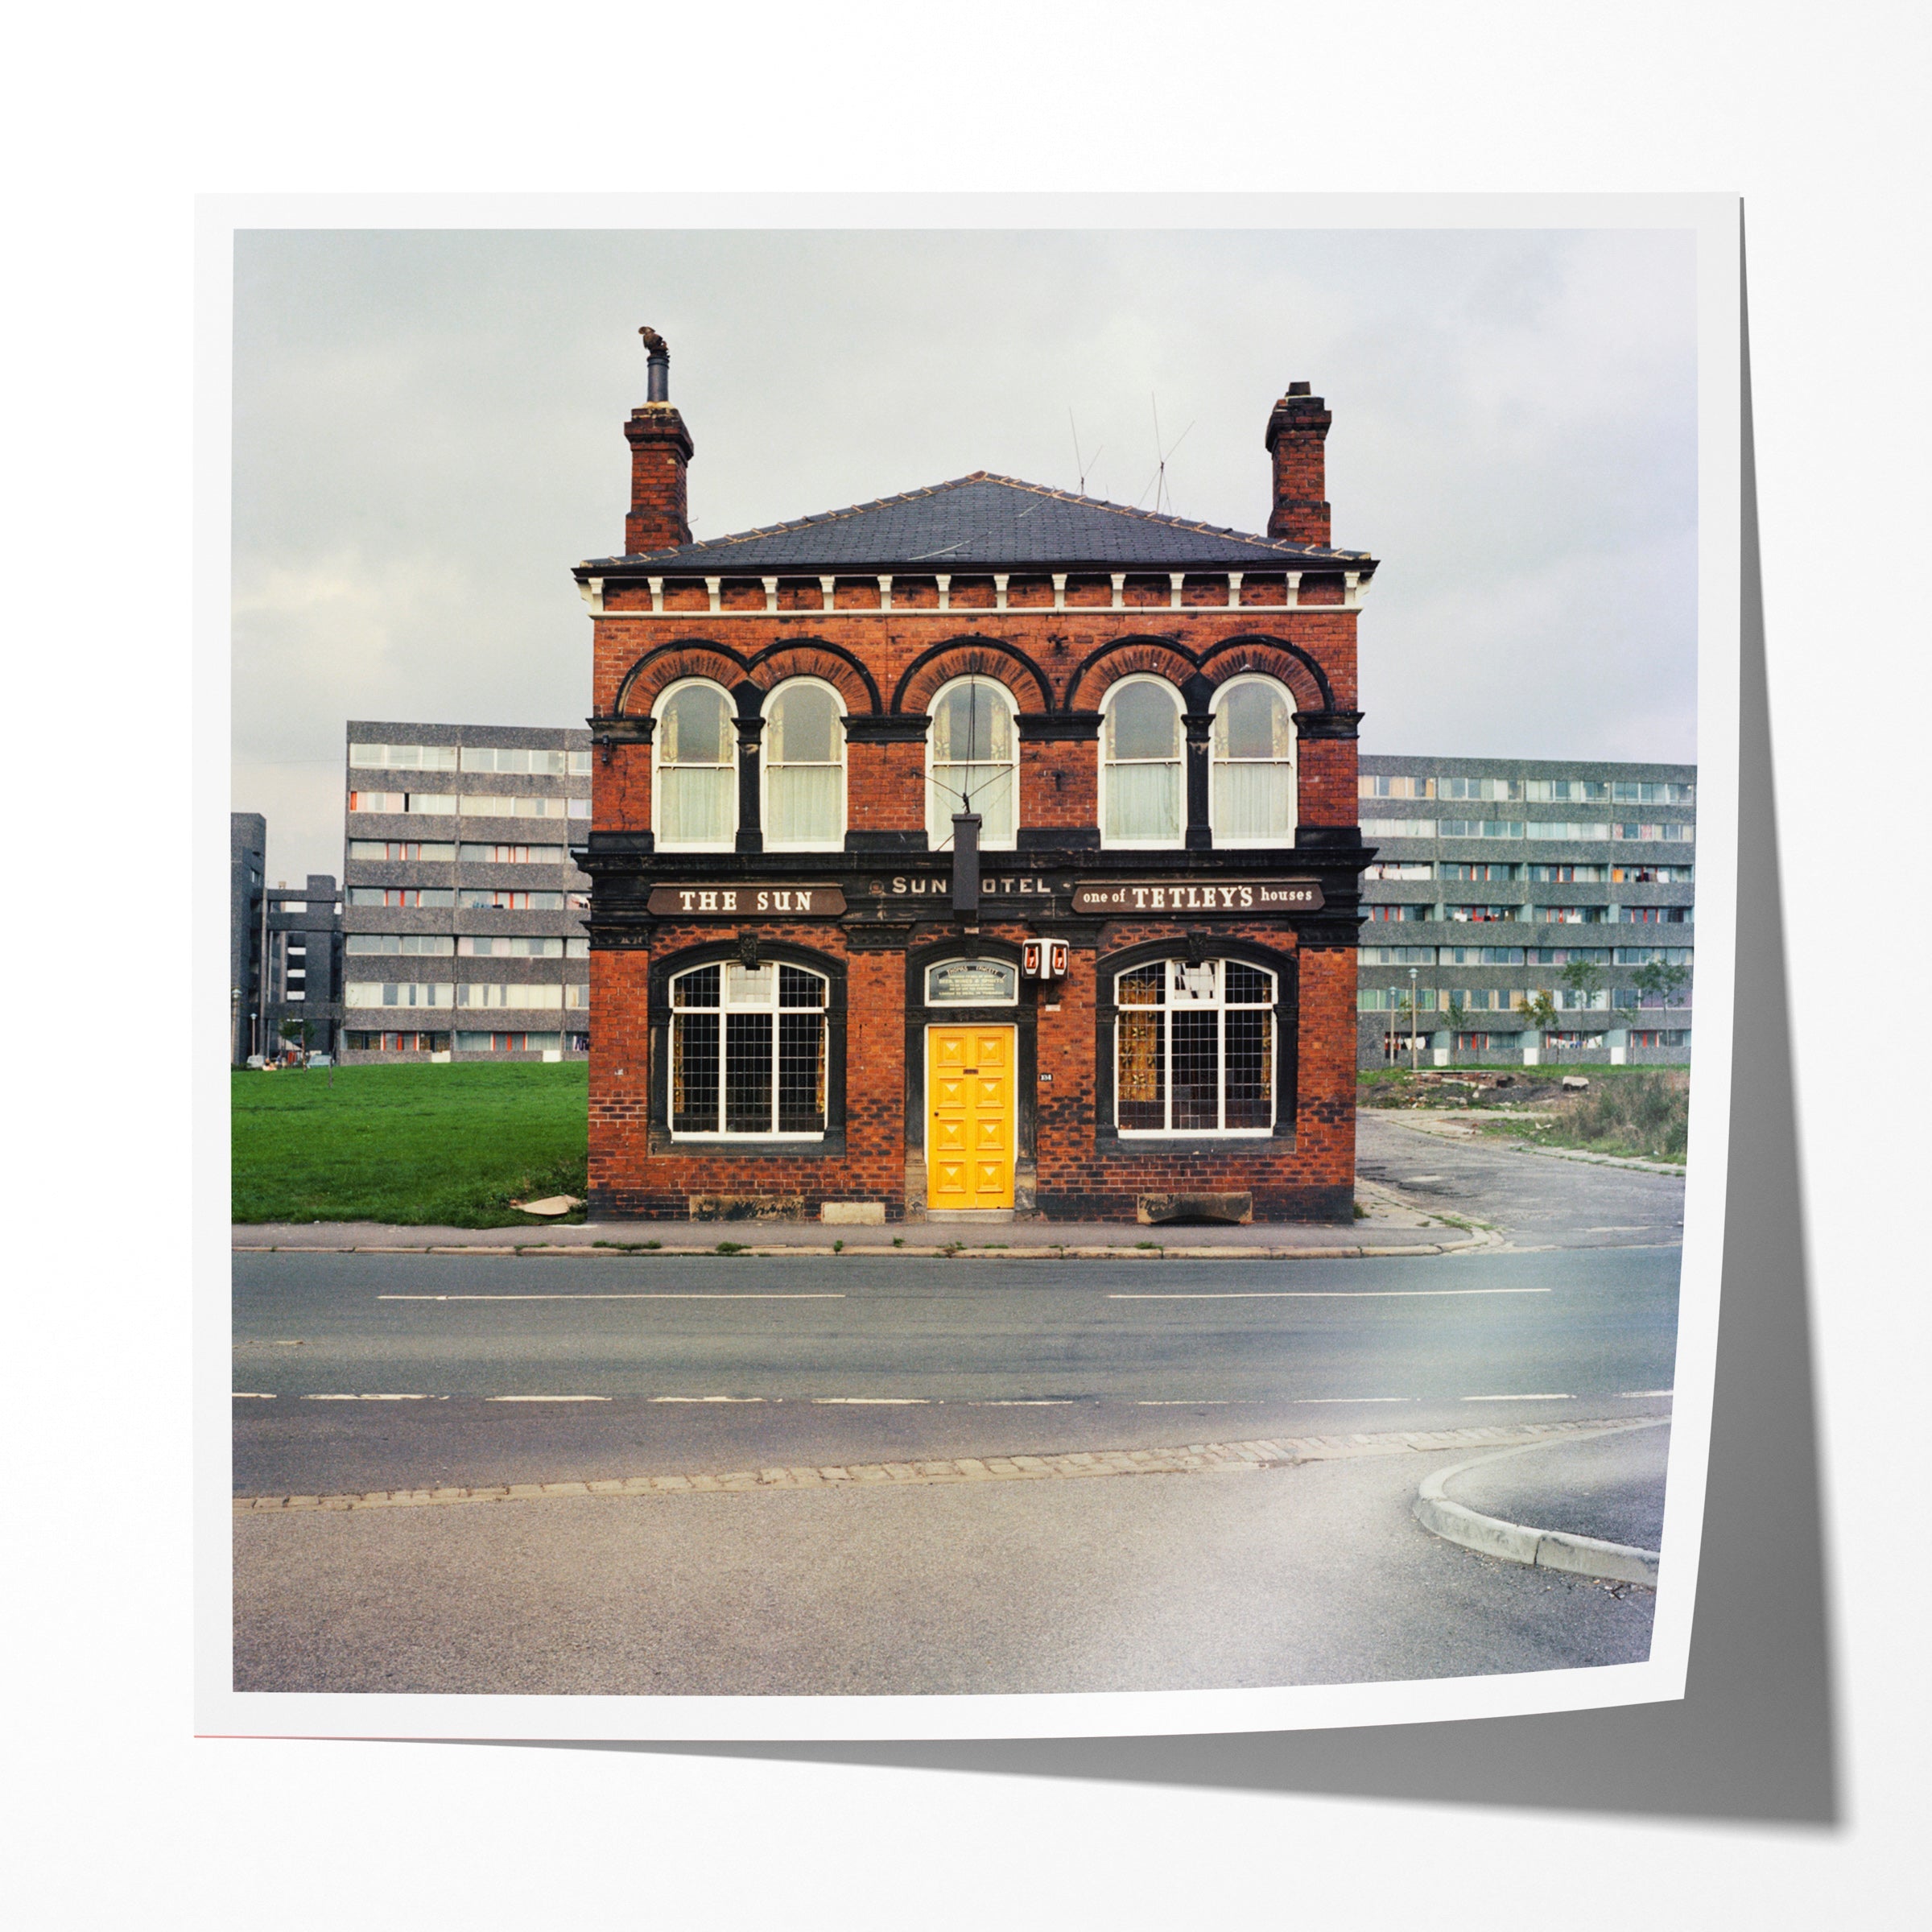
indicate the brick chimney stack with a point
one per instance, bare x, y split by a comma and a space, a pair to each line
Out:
1297, 427
660, 448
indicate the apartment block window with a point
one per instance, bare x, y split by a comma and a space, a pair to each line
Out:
378, 801
1398, 914
1477, 871
1501, 790
512, 855
1481, 955
427, 850
1649, 792
1394, 999
1141, 764
1565, 875
576, 949
509, 946
1251, 754
578, 764
1392, 787
1479, 915
577, 807
577, 993
1567, 828
409, 897
359, 1042
1645, 955
747, 1052
511, 805
1570, 915
1482, 828
509, 1042
1665, 834
1401, 868
1398, 828
804, 768
694, 757
576, 1043
521, 758
1573, 997
476, 899
432, 945
398, 993
1487, 999
1567, 956
1660, 1036
1651, 875
403, 758
483, 992
1589, 1041
1395, 955
1473, 1043
1653, 915
1565, 791
1194, 1048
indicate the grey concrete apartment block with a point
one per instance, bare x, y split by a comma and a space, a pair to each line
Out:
430, 886
1444, 924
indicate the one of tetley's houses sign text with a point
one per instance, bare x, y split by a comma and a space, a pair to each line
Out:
1233, 896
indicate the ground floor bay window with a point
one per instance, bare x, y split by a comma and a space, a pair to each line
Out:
1194, 1047
747, 1052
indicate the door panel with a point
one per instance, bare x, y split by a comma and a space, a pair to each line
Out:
969, 1116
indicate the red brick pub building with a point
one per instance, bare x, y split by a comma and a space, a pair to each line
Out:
987, 850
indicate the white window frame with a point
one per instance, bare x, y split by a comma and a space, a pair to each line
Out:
772, 844
1294, 762
723, 1010
1180, 761
728, 842
1167, 1007
938, 812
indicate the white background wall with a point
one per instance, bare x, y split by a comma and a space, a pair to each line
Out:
121, 1817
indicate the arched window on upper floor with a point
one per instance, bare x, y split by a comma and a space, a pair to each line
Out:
1140, 777
694, 762
804, 768
1251, 752
972, 762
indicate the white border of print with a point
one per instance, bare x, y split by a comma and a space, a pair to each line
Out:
220, 1711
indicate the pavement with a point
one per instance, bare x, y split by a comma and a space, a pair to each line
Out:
1309, 1573
1610, 1487
1426, 1189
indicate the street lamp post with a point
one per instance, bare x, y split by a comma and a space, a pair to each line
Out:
1415, 1017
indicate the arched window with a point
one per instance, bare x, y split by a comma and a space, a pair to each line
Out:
695, 756
1252, 799
972, 761
1194, 1047
1141, 799
747, 1052
804, 768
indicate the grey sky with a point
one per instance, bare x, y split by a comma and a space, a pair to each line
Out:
427, 435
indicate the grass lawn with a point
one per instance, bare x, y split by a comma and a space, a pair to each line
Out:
446, 1147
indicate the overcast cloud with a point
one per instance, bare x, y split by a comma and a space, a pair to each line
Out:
428, 435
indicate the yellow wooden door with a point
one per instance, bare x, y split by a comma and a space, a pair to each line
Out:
969, 1116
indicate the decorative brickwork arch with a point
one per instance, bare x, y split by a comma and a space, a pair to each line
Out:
684, 658
1280, 661
1166, 658
974, 656
815, 658
1125, 657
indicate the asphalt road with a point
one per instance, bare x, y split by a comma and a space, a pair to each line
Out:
367, 1372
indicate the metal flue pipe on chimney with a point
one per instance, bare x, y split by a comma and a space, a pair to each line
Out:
657, 365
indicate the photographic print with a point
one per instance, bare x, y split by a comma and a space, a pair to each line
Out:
979, 971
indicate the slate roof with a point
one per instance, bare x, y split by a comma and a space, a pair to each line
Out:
978, 522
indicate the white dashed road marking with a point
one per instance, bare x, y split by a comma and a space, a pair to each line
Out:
873, 1401
714, 1398
1519, 1398
375, 1398
547, 1398
826, 1296
1318, 1294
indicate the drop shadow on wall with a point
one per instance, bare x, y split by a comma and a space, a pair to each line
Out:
1755, 1738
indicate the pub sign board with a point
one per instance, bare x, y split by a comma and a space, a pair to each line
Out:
702, 902
1227, 899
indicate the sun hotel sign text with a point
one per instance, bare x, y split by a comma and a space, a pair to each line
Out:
985, 850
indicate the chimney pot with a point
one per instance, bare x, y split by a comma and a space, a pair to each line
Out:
661, 449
